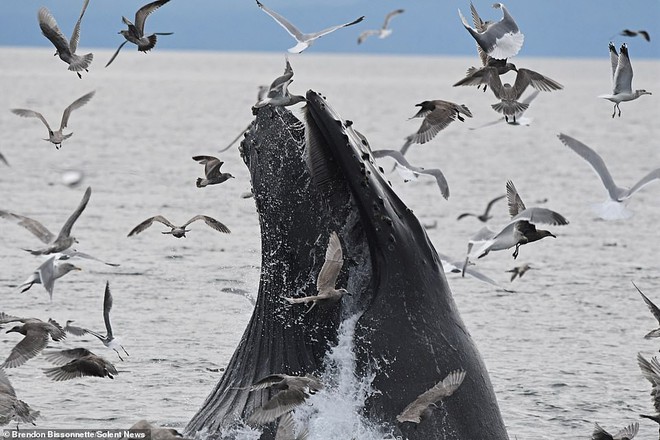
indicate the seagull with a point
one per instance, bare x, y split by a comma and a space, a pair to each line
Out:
614, 208
642, 33
47, 273
651, 371
304, 40
437, 114
518, 118
292, 392
63, 241
179, 231
56, 137
626, 433
622, 75
135, 32
327, 278
519, 271
500, 39
278, 92
78, 362
450, 265
384, 31
35, 339
410, 172
108, 340
212, 173
476, 77
422, 407
485, 216
655, 333
10, 407
65, 49
522, 227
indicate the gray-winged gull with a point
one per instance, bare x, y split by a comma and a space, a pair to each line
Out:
437, 114
304, 40
46, 274
56, 137
65, 49
179, 231
384, 31
78, 362
501, 39
486, 215
613, 208
135, 32
519, 271
413, 170
212, 173
626, 433
518, 118
278, 92
422, 407
35, 333
622, 75
292, 392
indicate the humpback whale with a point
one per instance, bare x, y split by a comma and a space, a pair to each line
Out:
309, 180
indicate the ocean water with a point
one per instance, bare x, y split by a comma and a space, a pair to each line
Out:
560, 346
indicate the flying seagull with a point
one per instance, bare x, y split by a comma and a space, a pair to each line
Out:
78, 362
421, 408
47, 273
651, 371
65, 49
304, 40
437, 114
56, 137
642, 33
212, 173
518, 118
410, 172
626, 433
449, 265
327, 278
500, 39
622, 75
179, 231
292, 392
486, 215
519, 271
54, 244
135, 32
278, 92
613, 208
36, 335
12, 409
384, 31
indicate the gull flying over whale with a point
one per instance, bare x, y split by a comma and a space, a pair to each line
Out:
65, 49
501, 39
437, 114
56, 137
304, 40
278, 92
421, 408
293, 391
179, 231
614, 208
410, 172
135, 32
622, 75
384, 31
212, 173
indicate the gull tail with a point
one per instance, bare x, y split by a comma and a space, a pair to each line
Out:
302, 45
612, 210
510, 108
201, 183
147, 47
80, 63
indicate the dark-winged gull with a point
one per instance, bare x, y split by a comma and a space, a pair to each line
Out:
35, 338
413, 170
65, 49
78, 362
655, 333
651, 371
179, 231
47, 273
437, 114
135, 32
475, 77
622, 75
629, 33
384, 31
327, 278
422, 407
292, 392
626, 433
614, 208
278, 92
486, 215
501, 39
518, 119
12, 409
63, 241
304, 40
212, 173
56, 137
109, 339
519, 271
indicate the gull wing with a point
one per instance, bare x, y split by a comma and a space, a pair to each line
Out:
75, 36
213, 223
50, 30
268, 381
516, 204
493, 201
30, 346
628, 432
444, 388
47, 275
596, 163
39, 230
614, 60
651, 371
114, 55
652, 307
315, 35
66, 229
148, 222
5, 385
404, 164
624, 74
290, 28
366, 34
536, 215
25, 113
73, 106
650, 177
280, 404
480, 26
211, 165
62, 357
142, 13
334, 260
389, 17
526, 77
107, 307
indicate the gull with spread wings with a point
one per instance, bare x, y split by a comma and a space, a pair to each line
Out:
384, 31
179, 231
622, 75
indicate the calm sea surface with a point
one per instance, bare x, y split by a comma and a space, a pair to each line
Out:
561, 348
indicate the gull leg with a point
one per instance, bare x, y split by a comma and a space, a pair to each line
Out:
619, 108
614, 114
515, 253
120, 358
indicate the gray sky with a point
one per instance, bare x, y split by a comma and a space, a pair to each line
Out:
557, 28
